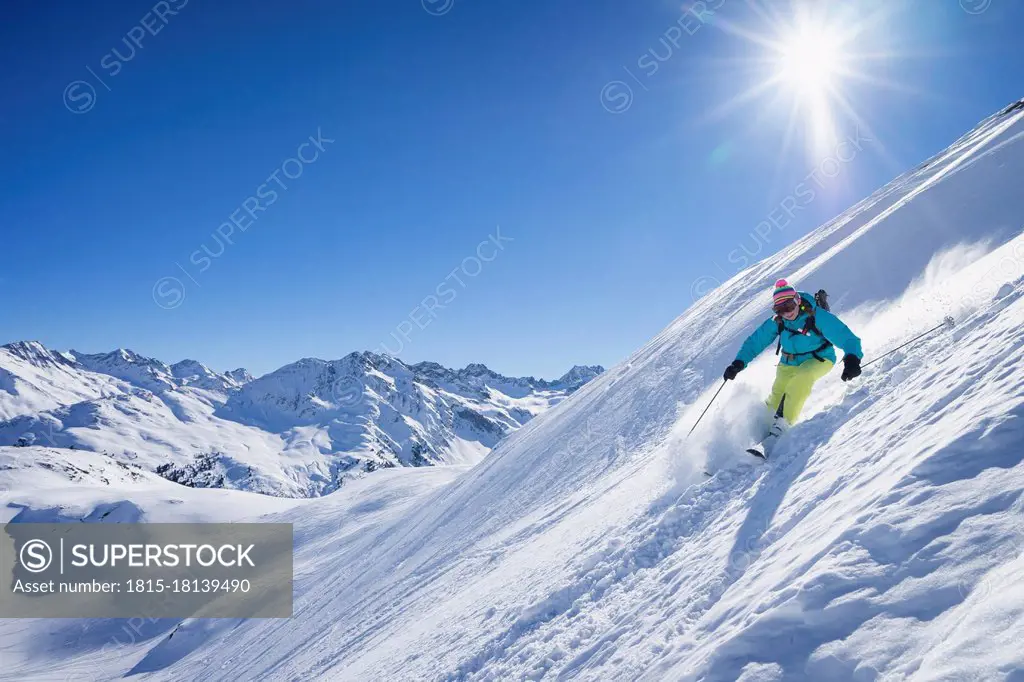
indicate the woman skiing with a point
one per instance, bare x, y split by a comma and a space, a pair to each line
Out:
807, 332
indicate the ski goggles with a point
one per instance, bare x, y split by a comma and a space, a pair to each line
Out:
787, 306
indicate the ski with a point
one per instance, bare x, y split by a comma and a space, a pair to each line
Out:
757, 453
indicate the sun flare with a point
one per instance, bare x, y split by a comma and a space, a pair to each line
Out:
809, 63
810, 69
810, 60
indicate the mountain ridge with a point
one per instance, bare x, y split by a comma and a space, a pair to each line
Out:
28, 348
300, 430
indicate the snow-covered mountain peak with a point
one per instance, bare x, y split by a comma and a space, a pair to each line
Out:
240, 376
431, 369
387, 412
478, 376
194, 373
129, 366
120, 356
579, 375
187, 368
37, 354
301, 430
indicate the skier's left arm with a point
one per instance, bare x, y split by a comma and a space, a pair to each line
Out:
838, 333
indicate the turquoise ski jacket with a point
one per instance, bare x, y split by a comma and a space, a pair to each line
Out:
799, 344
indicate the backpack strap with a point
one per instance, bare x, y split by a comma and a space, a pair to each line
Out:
809, 327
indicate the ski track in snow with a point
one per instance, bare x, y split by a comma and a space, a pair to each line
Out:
884, 541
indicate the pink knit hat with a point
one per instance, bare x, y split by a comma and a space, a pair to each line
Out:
783, 292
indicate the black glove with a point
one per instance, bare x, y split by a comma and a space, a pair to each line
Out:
732, 370
851, 367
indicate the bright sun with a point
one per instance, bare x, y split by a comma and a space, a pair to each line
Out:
809, 61
812, 62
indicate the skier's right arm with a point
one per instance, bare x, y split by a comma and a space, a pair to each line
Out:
758, 341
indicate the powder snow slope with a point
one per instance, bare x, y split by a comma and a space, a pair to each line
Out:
883, 542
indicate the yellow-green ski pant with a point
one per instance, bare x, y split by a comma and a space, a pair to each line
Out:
795, 383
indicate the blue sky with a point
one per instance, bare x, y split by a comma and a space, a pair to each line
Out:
433, 124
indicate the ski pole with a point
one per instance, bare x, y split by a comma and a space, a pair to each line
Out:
706, 408
947, 321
